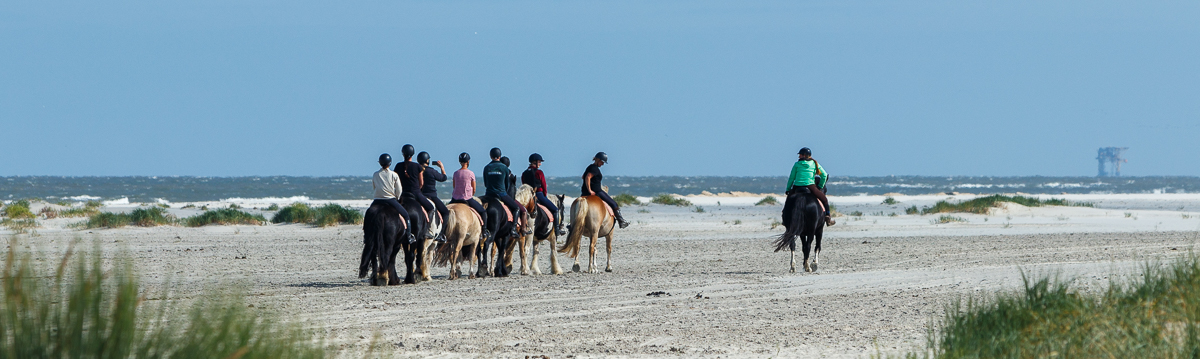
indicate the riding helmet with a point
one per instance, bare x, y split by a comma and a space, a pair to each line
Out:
496, 152
535, 158
805, 151
505, 161
423, 158
464, 157
408, 151
385, 160
603, 157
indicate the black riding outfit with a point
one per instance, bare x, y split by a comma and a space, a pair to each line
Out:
432, 177
410, 179
596, 186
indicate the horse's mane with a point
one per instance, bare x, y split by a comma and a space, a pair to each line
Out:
525, 195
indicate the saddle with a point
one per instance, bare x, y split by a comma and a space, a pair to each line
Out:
507, 212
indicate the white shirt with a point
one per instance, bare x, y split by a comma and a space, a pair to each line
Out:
386, 184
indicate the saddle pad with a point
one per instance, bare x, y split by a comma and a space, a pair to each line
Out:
507, 212
548, 213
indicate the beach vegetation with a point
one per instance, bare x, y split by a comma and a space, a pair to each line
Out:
626, 199
48, 212
142, 217
767, 201
983, 205
737, 222
90, 308
943, 219
890, 201
1154, 315
775, 223
327, 215
698, 209
234, 206
666, 199
17, 210
856, 213
273, 207
19, 225
224, 217
204, 207
643, 210
164, 205
187, 206
912, 210
89, 208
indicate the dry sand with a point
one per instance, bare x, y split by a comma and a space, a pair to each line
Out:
882, 280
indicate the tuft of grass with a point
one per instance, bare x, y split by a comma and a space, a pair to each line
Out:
698, 209
670, 200
143, 217
912, 210
18, 210
1156, 315
273, 207
767, 201
224, 217
85, 310
327, 215
890, 201
234, 206
943, 219
775, 223
19, 225
626, 199
737, 222
982, 205
855, 213
88, 209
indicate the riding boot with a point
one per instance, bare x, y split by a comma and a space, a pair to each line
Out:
441, 237
620, 219
829, 219
558, 230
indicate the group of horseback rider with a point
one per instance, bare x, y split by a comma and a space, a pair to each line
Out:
418, 182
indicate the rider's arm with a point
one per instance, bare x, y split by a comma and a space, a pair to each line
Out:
472, 187
792, 177
587, 182
542, 177
421, 179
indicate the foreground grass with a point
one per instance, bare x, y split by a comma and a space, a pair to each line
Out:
1154, 316
224, 216
82, 310
982, 205
143, 217
670, 200
327, 215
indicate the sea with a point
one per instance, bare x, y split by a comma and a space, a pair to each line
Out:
148, 189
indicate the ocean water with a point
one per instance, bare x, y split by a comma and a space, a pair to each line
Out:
189, 189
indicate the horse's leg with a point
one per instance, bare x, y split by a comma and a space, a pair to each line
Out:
816, 251
554, 268
525, 243
608, 265
426, 260
807, 248
533, 257
592, 259
500, 246
409, 263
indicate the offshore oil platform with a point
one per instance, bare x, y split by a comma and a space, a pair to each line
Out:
1112, 157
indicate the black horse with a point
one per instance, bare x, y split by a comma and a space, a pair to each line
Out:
804, 219
414, 249
383, 236
501, 238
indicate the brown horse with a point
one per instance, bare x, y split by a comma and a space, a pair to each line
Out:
464, 237
543, 231
592, 218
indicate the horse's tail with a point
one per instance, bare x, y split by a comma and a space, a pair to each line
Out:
372, 237
575, 230
445, 251
787, 240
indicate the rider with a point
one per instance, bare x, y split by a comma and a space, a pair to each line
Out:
534, 177
429, 189
412, 177
464, 189
495, 183
808, 173
592, 187
387, 188
511, 182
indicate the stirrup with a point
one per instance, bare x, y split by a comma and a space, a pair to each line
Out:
411, 238
441, 238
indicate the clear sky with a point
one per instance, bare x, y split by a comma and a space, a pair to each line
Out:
228, 88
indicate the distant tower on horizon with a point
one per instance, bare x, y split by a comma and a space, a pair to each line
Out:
1113, 157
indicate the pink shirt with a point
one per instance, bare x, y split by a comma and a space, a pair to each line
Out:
462, 184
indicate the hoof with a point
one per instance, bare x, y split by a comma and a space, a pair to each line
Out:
608, 270
556, 271
808, 268
575, 268
793, 269
814, 267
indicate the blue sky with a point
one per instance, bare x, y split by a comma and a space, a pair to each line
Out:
227, 88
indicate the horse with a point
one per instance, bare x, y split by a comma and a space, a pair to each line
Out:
590, 217
425, 227
807, 222
501, 240
464, 236
543, 230
384, 234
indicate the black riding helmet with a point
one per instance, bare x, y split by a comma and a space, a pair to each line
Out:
408, 151
464, 157
385, 160
496, 152
535, 157
805, 151
505, 161
423, 158
603, 157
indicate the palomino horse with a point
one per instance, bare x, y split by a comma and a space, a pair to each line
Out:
425, 227
543, 230
592, 218
806, 221
384, 234
464, 236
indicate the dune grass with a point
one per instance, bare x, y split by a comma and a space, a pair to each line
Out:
17, 210
982, 205
890, 201
943, 219
626, 199
327, 215
88, 209
767, 201
670, 200
224, 216
143, 217
85, 310
1156, 315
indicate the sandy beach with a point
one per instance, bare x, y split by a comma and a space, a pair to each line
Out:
884, 276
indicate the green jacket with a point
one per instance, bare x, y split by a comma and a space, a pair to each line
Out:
803, 173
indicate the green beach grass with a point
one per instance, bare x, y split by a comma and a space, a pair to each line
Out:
982, 205
17, 210
224, 216
87, 309
626, 199
327, 215
670, 200
767, 201
1156, 315
142, 217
